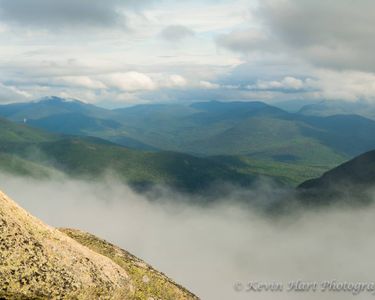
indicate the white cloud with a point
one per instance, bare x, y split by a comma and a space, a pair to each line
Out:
80, 81
137, 81
12, 94
208, 85
323, 84
130, 81
174, 81
287, 83
293, 83
345, 85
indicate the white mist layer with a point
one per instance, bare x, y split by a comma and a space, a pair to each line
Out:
208, 249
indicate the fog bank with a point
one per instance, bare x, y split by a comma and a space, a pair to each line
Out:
208, 249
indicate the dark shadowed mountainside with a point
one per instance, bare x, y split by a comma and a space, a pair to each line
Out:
350, 182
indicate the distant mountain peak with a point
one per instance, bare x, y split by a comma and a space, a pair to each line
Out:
55, 99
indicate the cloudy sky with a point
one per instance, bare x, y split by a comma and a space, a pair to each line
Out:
122, 52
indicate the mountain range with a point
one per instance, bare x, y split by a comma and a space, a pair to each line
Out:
30, 151
252, 129
335, 107
186, 146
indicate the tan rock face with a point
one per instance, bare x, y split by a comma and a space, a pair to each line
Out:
41, 262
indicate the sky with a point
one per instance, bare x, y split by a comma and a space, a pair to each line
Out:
126, 52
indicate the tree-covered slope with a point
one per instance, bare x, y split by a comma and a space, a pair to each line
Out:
80, 157
352, 182
29, 151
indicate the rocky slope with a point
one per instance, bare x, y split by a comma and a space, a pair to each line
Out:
148, 282
41, 262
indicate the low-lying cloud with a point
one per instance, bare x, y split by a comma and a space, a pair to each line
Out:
210, 248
